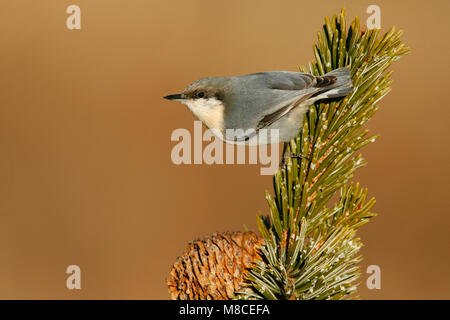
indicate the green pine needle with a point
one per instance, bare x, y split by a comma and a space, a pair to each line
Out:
311, 249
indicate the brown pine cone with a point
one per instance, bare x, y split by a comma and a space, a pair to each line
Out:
214, 268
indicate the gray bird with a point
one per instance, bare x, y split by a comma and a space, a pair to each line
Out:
238, 108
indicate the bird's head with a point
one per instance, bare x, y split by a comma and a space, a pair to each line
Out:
206, 99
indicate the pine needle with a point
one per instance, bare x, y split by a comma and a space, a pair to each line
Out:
311, 249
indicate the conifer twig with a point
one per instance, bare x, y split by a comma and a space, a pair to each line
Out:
310, 248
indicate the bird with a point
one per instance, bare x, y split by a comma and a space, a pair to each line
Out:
240, 109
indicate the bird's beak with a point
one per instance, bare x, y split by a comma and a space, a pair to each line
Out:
175, 97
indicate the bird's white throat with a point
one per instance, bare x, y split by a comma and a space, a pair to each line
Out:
209, 111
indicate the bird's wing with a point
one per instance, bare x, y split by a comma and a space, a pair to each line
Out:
288, 80
275, 92
270, 118
283, 80
305, 84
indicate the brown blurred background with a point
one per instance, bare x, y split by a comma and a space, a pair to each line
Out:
85, 171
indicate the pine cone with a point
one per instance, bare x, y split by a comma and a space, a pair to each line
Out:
214, 268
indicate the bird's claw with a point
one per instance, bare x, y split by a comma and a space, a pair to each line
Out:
291, 155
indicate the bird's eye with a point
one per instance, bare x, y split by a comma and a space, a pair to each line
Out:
201, 94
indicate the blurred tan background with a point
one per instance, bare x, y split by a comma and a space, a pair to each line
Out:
85, 171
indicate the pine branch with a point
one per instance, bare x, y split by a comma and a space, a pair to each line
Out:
311, 249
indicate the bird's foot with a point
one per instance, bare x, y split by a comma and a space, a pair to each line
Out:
287, 155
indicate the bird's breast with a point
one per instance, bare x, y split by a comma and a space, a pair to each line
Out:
209, 111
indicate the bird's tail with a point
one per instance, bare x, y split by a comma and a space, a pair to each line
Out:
340, 88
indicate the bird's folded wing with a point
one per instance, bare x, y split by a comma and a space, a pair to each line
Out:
305, 84
284, 80
284, 90
267, 120
271, 118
